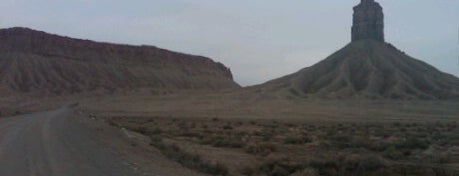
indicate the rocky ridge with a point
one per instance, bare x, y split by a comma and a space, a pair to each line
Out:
37, 61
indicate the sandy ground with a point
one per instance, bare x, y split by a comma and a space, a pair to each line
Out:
239, 106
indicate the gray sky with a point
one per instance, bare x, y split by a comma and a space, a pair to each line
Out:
258, 39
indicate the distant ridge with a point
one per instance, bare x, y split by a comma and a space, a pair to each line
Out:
33, 61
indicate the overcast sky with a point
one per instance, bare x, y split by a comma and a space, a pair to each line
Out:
258, 39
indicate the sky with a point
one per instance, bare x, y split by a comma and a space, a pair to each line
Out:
258, 40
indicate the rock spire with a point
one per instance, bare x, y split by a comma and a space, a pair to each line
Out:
368, 21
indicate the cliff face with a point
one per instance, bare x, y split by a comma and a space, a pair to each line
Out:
36, 61
368, 21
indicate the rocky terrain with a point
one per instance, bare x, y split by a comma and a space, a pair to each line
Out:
34, 61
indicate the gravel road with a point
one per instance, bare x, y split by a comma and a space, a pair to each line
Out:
51, 144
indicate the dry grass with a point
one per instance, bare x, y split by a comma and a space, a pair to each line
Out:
266, 147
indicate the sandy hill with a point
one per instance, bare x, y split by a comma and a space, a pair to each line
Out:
367, 69
34, 61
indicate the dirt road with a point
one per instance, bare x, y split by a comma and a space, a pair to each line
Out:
49, 144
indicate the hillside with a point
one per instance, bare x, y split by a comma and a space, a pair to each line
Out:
34, 61
367, 69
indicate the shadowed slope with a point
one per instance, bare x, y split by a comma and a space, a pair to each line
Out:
36, 61
367, 69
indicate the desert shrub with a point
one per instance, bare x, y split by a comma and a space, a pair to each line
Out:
150, 120
378, 146
207, 131
258, 133
453, 126
214, 169
381, 133
141, 130
312, 127
248, 171
306, 172
267, 138
340, 137
413, 143
420, 134
324, 167
263, 149
351, 164
403, 129
371, 163
227, 127
265, 135
221, 141
182, 125
113, 123
320, 164
421, 170
297, 140
156, 139
343, 141
279, 171
439, 124
156, 131
340, 145
157, 142
191, 134
441, 159
242, 133
454, 135
393, 154
192, 125
189, 160
277, 167
356, 164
